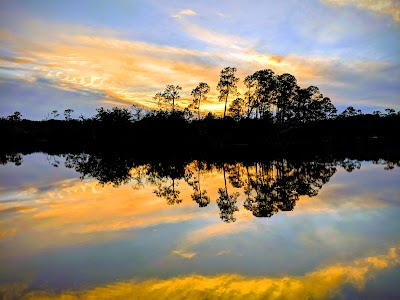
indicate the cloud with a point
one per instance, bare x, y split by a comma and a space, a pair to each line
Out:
215, 38
185, 12
320, 284
119, 71
387, 7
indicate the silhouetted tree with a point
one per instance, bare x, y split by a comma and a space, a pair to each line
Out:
227, 85
138, 112
287, 91
171, 93
311, 106
158, 97
67, 114
250, 82
115, 115
266, 91
349, 112
54, 114
390, 112
199, 93
15, 117
237, 109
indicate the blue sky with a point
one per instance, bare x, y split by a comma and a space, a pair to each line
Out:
87, 54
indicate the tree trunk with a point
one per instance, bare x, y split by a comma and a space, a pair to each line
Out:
198, 111
226, 100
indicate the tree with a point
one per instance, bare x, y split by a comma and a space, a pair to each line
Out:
250, 83
390, 112
116, 115
171, 93
287, 91
310, 105
266, 91
348, 112
227, 85
199, 93
15, 117
55, 114
137, 112
237, 109
67, 114
159, 100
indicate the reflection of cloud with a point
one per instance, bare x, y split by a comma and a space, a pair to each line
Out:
183, 254
218, 230
387, 7
72, 212
223, 252
319, 284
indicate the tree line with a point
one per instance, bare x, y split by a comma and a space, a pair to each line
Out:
268, 96
273, 111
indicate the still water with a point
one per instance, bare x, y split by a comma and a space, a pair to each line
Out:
109, 227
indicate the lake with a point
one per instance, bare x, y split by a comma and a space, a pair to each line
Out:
85, 226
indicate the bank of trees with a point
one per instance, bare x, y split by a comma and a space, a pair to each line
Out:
277, 98
274, 109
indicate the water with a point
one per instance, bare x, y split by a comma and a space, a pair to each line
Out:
114, 227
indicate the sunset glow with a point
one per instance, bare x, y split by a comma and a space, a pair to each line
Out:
121, 53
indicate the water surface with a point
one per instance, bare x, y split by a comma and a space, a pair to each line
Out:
109, 226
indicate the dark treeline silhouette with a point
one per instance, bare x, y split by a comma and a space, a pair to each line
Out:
274, 112
266, 186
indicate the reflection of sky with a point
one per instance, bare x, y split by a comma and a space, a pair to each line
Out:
69, 54
59, 232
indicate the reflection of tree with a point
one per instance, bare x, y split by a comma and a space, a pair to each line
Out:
106, 168
277, 185
168, 192
51, 159
15, 158
166, 177
269, 187
350, 164
194, 180
227, 203
261, 191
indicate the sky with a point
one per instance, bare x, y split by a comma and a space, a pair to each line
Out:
82, 55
